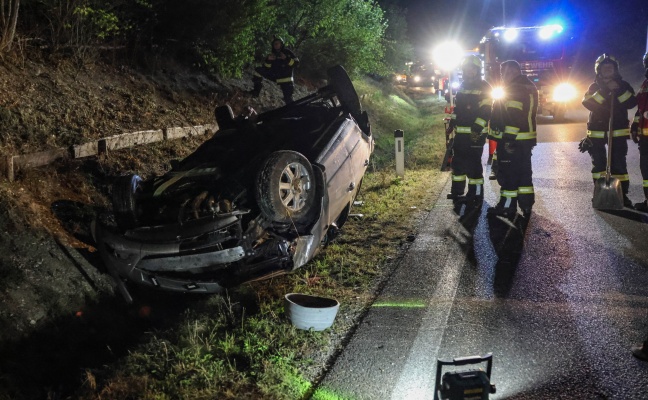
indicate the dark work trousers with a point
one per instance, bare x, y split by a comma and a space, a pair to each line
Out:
618, 166
515, 174
643, 162
287, 88
467, 165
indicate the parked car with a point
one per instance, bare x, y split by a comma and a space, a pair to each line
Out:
259, 198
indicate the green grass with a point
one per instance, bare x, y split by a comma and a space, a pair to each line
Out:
222, 351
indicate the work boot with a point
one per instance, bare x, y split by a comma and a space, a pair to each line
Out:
526, 213
500, 211
456, 198
627, 202
641, 351
643, 206
493, 175
474, 201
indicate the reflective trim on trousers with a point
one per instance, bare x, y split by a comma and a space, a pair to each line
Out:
509, 193
526, 190
458, 178
645, 184
615, 133
475, 181
622, 177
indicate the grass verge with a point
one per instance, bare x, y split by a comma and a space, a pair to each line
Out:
242, 345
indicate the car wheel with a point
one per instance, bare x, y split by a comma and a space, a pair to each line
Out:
344, 89
124, 199
286, 188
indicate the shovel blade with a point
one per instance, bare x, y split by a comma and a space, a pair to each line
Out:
608, 195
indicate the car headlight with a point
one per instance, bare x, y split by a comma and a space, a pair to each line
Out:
497, 93
417, 78
564, 92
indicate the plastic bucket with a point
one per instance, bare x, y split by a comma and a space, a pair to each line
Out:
311, 312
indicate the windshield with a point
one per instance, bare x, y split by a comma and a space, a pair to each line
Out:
527, 46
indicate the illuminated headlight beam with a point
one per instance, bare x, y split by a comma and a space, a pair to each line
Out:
497, 93
564, 92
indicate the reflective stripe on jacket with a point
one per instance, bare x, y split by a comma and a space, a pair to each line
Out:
282, 69
597, 101
514, 116
472, 106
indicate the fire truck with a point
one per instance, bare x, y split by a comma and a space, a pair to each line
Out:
542, 52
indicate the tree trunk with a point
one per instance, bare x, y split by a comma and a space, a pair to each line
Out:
8, 21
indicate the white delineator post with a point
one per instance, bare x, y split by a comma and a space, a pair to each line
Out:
400, 152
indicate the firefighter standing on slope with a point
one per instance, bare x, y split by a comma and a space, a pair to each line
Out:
639, 134
607, 87
514, 123
277, 67
470, 118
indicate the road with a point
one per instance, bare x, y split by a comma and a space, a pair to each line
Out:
558, 302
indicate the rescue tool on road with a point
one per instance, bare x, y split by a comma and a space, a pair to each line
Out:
464, 385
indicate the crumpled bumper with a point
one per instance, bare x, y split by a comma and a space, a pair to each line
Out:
153, 264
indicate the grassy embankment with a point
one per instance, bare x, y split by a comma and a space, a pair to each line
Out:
225, 350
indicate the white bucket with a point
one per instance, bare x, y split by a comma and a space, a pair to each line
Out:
311, 312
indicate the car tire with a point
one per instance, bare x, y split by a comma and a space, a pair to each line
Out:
124, 200
286, 191
344, 89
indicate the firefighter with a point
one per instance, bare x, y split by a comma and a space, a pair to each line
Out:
639, 134
514, 122
277, 67
471, 115
607, 86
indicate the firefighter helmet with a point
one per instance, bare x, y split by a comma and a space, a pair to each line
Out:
278, 39
606, 58
645, 60
471, 60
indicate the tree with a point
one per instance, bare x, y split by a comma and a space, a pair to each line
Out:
8, 21
346, 32
398, 48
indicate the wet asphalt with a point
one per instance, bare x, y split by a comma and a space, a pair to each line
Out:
558, 301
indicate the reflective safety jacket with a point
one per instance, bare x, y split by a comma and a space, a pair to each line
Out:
641, 117
472, 106
514, 116
597, 101
281, 69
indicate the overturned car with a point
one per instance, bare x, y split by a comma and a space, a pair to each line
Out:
259, 198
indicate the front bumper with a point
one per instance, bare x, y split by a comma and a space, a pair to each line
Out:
154, 263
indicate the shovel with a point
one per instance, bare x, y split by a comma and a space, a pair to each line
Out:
607, 190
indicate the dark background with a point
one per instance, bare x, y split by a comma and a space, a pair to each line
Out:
618, 27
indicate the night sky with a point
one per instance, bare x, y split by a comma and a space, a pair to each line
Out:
618, 27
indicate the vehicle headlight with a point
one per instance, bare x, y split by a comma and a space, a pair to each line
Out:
417, 78
564, 92
497, 93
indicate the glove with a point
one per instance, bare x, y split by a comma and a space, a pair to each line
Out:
509, 147
585, 145
634, 132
